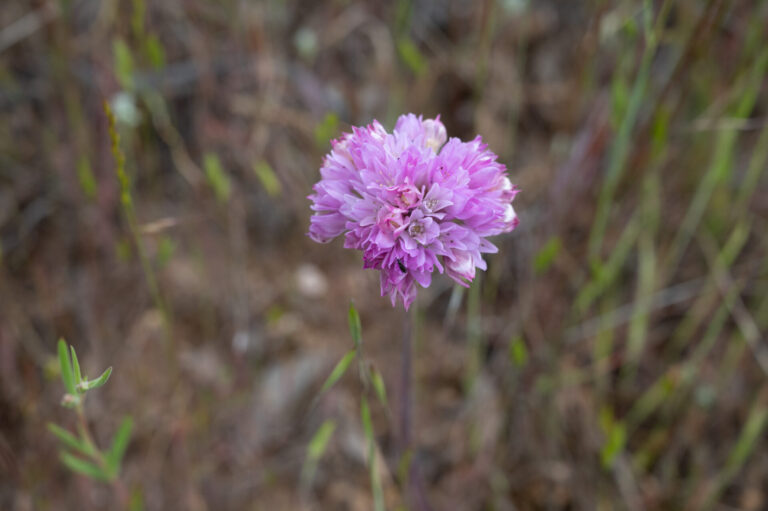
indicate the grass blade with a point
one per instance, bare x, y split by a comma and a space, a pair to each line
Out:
338, 371
315, 450
620, 148
379, 386
646, 277
319, 442
607, 273
66, 368
546, 255
355, 329
722, 163
518, 352
268, 178
217, 177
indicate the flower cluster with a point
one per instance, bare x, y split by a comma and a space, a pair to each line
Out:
413, 203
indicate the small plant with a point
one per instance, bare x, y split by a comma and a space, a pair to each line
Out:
79, 452
369, 376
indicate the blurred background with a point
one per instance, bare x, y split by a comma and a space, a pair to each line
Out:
613, 356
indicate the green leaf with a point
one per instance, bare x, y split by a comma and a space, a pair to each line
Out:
154, 51
124, 250
404, 466
86, 177
338, 371
619, 98
316, 449
123, 64
119, 445
518, 353
615, 437
165, 250
70, 440
411, 56
136, 502
76, 367
217, 178
66, 368
320, 439
365, 416
98, 382
326, 129
268, 178
137, 19
354, 325
547, 255
83, 467
614, 444
379, 386
659, 131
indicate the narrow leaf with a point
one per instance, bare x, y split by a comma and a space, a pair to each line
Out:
83, 467
70, 440
379, 386
217, 177
354, 325
76, 366
268, 178
404, 466
98, 382
326, 129
615, 436
547, 255
338, 371
119, 445
518, 353
320, 439
124, 66
316, 449
411, 56
365, 415
66, 368
85, 176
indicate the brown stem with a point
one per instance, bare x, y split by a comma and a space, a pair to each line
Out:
412, 478
405, 387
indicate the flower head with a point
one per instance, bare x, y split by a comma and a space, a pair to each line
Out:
413, 202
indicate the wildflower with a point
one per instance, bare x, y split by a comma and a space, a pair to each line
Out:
413, 203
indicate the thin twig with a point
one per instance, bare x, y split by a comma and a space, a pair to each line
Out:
27, 25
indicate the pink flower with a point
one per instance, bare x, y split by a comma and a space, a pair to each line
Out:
413, 203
